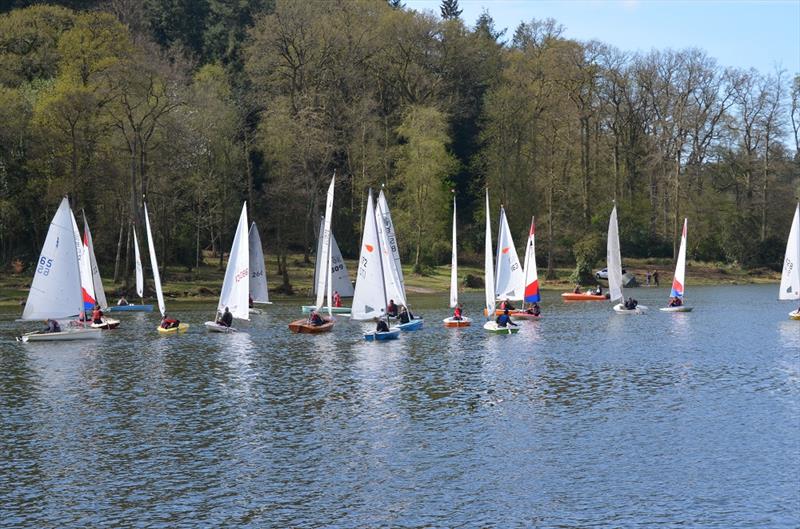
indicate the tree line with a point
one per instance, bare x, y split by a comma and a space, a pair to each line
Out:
201, 105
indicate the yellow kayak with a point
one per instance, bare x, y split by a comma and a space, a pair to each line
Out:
174, 330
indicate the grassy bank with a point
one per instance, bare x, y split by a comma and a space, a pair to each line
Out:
203, 285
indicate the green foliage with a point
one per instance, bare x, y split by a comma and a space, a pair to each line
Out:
449, 9
587, 251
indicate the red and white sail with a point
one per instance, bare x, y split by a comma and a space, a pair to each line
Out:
531, 273
679, 281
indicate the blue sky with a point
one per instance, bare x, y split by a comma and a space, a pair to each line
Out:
743, 33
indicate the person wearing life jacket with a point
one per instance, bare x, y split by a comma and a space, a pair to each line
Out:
404, 316
577, 289
504, 320
535, 310
52, 326
315, 319
169, 323
391, 309
382, 326
337, 299
458, 312
97, 315
226, 319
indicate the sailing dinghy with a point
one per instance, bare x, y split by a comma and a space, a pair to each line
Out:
97, 282
790, 277
56, 292
165, 327
259, 293
489, 291
677, 303
235, 292
463, 321
614, 262
139, 284
338, 274
323, 280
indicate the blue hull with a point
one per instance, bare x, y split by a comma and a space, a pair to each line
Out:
413, 325
130, 308
394, 334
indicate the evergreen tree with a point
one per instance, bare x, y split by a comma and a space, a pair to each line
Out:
450, 10
396, 4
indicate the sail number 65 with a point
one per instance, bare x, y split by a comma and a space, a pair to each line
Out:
45, 265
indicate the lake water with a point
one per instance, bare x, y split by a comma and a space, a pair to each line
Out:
584, 419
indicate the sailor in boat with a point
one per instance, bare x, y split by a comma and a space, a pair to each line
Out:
534, 309
458, 312
391, 309
337, 299
122, 302
97, 315
382, 326
504, 320
675, 302
577, 289
169, 323
226, 319
250, 301
404, 316
315, 319
598, 291
630, 304
52, 326
506, 305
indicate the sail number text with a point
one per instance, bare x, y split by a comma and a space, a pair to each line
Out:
45, 265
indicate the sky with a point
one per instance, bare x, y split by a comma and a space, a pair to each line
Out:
745, 34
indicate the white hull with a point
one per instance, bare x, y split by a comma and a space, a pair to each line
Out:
108, 323
212, 326
68, 335
682, 308
492, 326
619, 308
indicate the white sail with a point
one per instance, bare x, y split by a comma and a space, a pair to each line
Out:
139, 273
790, 277
340, 278
97, 282
454, 264
324, 254
531, 273
56, 288
87, 286
391, 237
679, 281
368, 300
392, 272
613, 258
510, 279
258, 274
488, 264
154, 264
236, 285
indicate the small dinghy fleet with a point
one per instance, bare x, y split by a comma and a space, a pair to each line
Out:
67, 293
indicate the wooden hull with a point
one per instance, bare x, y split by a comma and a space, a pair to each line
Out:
391, 334
130, 308
63, 336
335, 310
181, 328
212, 326
619, 308
463, 322
491, 326
108, 323
304, 327
413, 325
516, 314
682, 308
570, 296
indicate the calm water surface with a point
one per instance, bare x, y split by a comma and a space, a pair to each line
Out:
583, 419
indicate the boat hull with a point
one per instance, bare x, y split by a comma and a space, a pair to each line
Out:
794, 315
304, 327
463, 322
571, 296
108, 323
682, 308
492, 327
619, 308
212, 326
62, 336
181, 328
413, 325
334, 310
516, 314
130, 308
391, 334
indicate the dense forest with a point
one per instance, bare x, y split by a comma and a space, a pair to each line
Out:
200, 105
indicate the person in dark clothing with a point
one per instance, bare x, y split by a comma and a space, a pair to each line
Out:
226, 319
52, 326
316, 319
391, 309
535, 310
630, 304
655, 277
404, 315
382, 326
504, 320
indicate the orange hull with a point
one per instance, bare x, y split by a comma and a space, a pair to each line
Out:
569, 296
304, 327
516, 314
450, 322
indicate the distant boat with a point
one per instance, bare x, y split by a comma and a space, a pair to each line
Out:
790, 277
451, 321
259, 293
614, 262
181, 327
338, 274
370, 298
488, 277
324, 283
235, 294
510, 278
139, 284
679, 281
97, 282
56, 291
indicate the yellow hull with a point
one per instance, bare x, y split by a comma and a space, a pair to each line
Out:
174, 330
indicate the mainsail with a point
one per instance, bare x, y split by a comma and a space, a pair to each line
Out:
531, 274
154, 263
613, 258
790, 277
258, 275
236, 285
369, 300
510, 279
